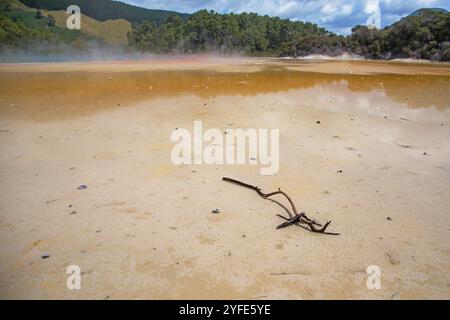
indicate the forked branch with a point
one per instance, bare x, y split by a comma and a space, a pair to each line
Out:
295, 218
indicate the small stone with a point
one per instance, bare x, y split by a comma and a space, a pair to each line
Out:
389, 218
318, 122
339, 171
45, 256
215, 211
73, 212
82, 187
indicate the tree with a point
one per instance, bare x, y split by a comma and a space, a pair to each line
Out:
51, 21
38, 14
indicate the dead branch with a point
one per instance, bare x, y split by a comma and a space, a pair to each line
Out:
295, 218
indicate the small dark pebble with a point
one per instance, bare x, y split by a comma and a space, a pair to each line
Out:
318, 122
424, 153
82, 187
45, 256
389, 218
339, 171
244, 236
73, 212
215, 211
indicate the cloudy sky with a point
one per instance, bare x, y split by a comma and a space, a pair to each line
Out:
335, 15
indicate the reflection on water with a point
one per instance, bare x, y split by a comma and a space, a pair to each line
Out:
65, 94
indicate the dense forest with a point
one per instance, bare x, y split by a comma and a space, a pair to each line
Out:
206, 31
106, 9
422, 35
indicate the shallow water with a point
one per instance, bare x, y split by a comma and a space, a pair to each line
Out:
53, 95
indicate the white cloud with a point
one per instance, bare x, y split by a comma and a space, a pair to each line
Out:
371, 6
328, 9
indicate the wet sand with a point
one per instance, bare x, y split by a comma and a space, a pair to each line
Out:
143, 228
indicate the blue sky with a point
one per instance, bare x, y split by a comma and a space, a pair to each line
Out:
335, 15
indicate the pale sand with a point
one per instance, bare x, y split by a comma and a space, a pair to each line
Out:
144, 229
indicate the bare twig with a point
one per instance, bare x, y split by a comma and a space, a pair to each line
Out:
295, 218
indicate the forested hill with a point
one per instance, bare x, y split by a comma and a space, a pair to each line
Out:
209, 31
103, 10
425, 34
421, 12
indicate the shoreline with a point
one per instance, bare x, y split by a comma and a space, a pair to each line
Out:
199, 57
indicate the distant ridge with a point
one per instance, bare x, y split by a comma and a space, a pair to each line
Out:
103, 10
423, 11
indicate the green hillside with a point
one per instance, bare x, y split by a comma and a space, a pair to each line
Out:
103, 10
425, 34
423, 11
110, 32
21, 28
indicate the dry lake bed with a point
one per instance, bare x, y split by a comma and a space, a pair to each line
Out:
364, 144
